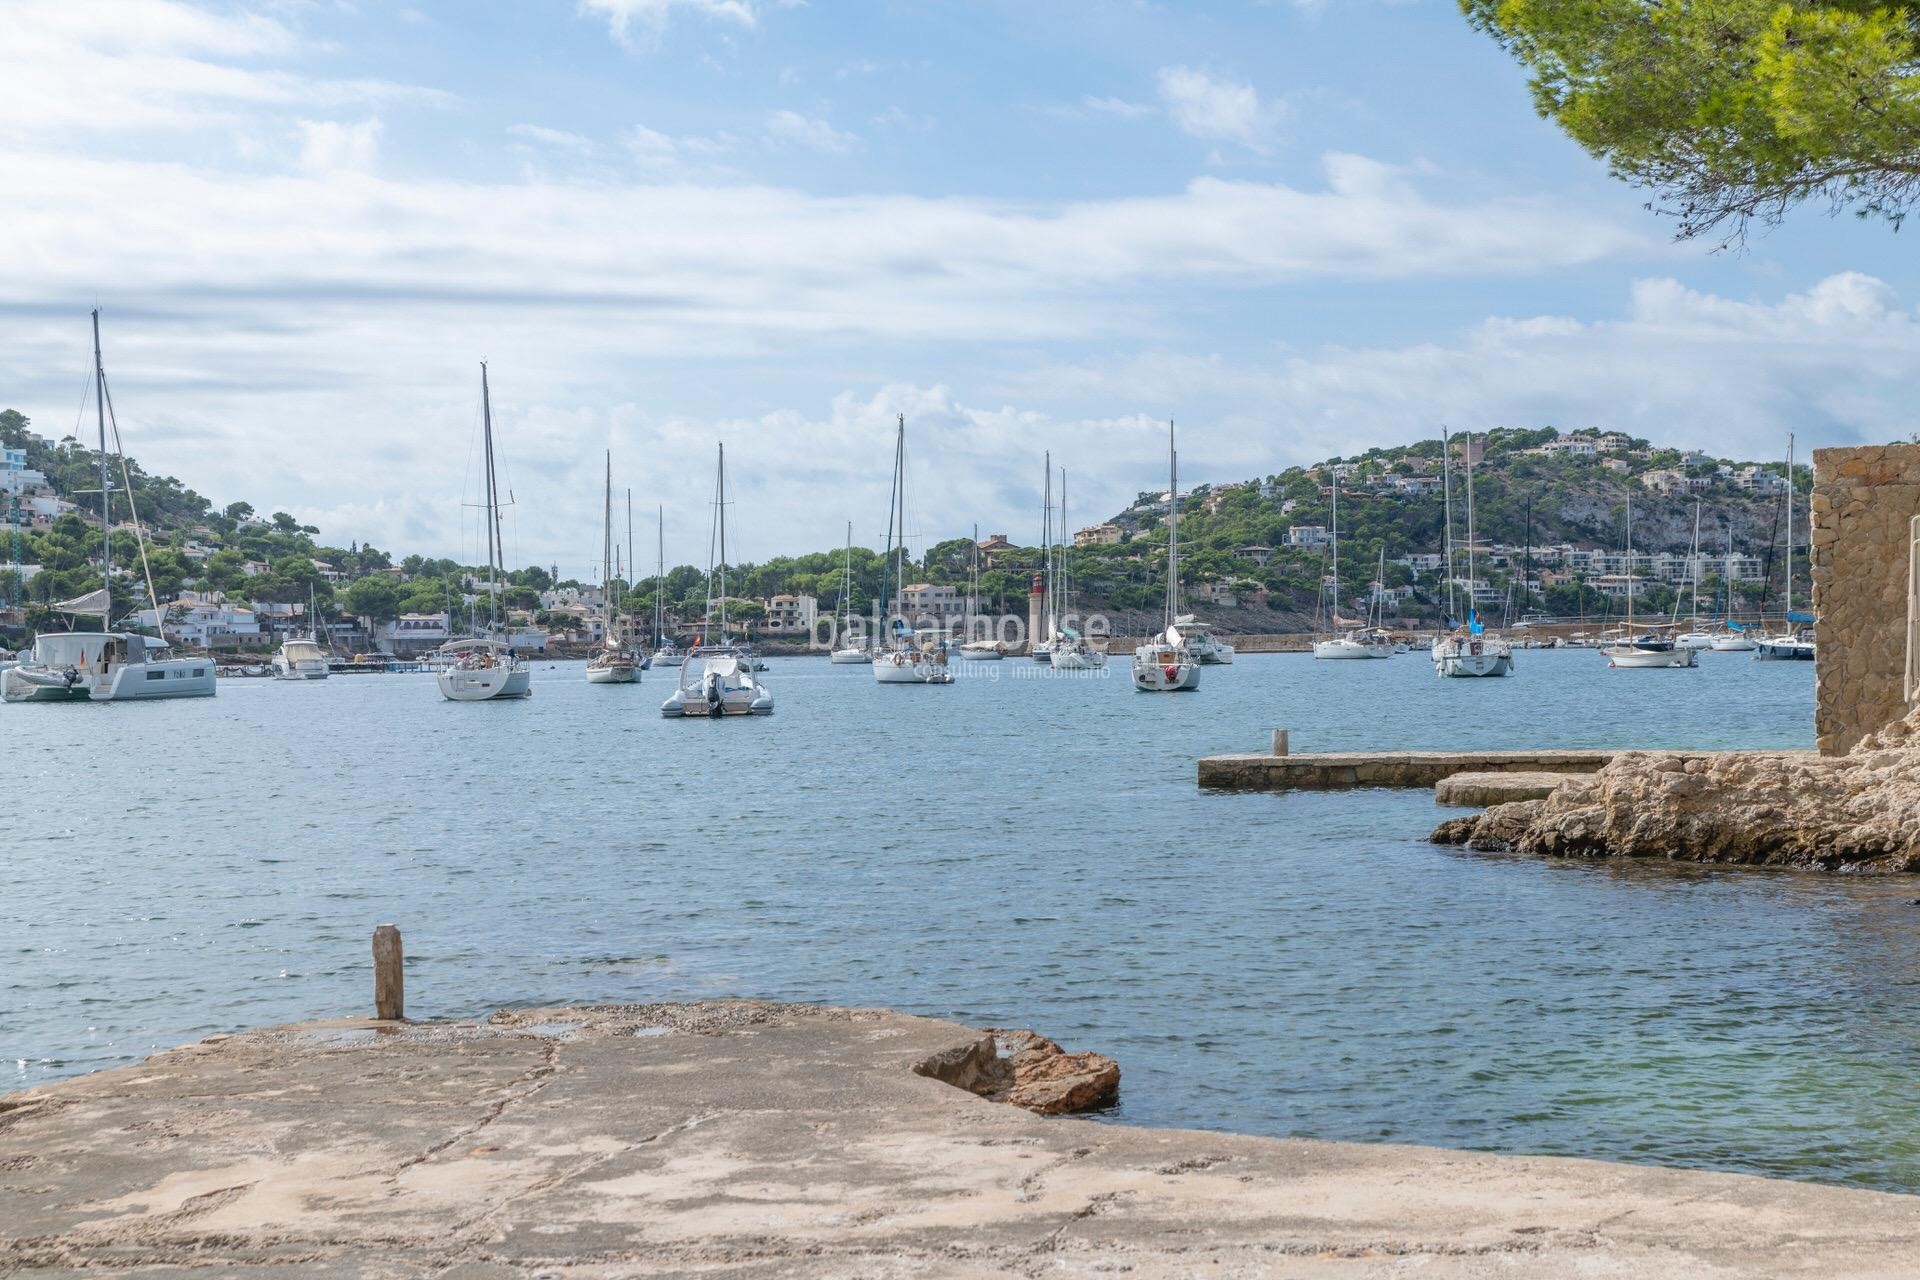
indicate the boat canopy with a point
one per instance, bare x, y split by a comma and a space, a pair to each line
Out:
302, 651
94, 604
474, 646
83, 649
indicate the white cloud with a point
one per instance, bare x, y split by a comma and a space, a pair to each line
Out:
554, 139
790, 128
1217, 109
652, 16
1117, 107
329, 145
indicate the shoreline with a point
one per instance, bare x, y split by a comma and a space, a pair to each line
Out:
748, 1138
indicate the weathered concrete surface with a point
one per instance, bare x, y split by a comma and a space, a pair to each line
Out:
760, 1141
1339, 770
1480, 789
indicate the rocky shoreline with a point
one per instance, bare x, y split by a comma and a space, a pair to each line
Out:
748, 1140
1857, 813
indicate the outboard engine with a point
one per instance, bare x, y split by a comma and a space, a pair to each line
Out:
714, 693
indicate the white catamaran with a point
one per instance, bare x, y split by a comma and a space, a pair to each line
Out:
718, 680
486, 668
105, 665
1163, 663
615, 663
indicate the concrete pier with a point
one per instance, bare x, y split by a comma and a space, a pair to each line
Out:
1338, 770
740, 1139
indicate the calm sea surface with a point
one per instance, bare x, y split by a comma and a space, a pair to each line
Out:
1015, 849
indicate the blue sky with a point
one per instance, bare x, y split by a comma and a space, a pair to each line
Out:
1298, 228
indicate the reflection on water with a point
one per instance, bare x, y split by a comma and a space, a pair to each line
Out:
1012, 849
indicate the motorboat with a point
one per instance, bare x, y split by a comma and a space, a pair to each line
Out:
1788, 646
1731, 642
1206, 648
716, 681
301, 658
1164, 664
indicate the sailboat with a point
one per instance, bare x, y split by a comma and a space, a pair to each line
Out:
718, 680
919, 659
1647, 649
1732, 637
1354, 644
853, 651
615, 663
486, 668
984, 649
1791, 644
1694, 638
301, 657
104, 665
668, 654
1040, 644
1072, 651
1164, 664
1467, 651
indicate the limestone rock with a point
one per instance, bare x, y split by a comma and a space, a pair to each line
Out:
1480, 789
1045, 1078
1858, 812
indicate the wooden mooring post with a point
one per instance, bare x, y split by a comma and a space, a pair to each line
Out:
389, 983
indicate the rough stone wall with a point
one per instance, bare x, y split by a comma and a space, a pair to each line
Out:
1863, 502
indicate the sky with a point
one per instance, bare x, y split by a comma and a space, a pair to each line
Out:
1297, 229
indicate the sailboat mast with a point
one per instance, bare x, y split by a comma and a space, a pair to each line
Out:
493, 504
1473, 585
606, 555
1046, 547
1173, 528
1335, 619
1788, 630
722, 486
1066, 569
106, 517
1446, 498
1629, 562
660, 579
893, 517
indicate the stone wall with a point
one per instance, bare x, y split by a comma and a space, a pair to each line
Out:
1863, 502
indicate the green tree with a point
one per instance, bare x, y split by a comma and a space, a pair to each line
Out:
1731, 110
377, 598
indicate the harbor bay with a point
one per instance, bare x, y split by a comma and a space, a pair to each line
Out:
1015, 848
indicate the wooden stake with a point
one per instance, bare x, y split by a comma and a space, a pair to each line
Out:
389, 984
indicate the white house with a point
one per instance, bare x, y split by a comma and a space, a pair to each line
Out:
1308, 535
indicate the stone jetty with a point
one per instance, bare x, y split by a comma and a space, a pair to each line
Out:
751, 1140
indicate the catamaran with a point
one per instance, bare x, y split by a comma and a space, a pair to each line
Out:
105, 665
917, 659
1792, 644
1466, 651
718, 680
486, 668
1163, 663
1072, 650
615, 663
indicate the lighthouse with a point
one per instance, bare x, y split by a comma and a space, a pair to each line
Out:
1036, 609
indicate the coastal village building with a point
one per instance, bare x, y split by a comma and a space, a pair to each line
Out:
413, 633
1308, 535
1255, 552
1097, 535
930, 600
791, 615
993, 546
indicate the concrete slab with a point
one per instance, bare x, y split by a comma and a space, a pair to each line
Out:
1478, 790
760, 1140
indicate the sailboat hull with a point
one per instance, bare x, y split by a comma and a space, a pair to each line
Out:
459, 684
1626, 656
624, 673
849, 657
1078, 660
906, 668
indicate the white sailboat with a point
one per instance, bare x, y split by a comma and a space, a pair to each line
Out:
1730, 636
1356, 644
615, 663
1208, 649
1040, 644
1791, 644
1466, 652
1648, 649
667, 654
1163, 663
105, 665
1072, 651
984, 649
301, 657
486, 669
851, 651
916, 660
1693, 637
718, 680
